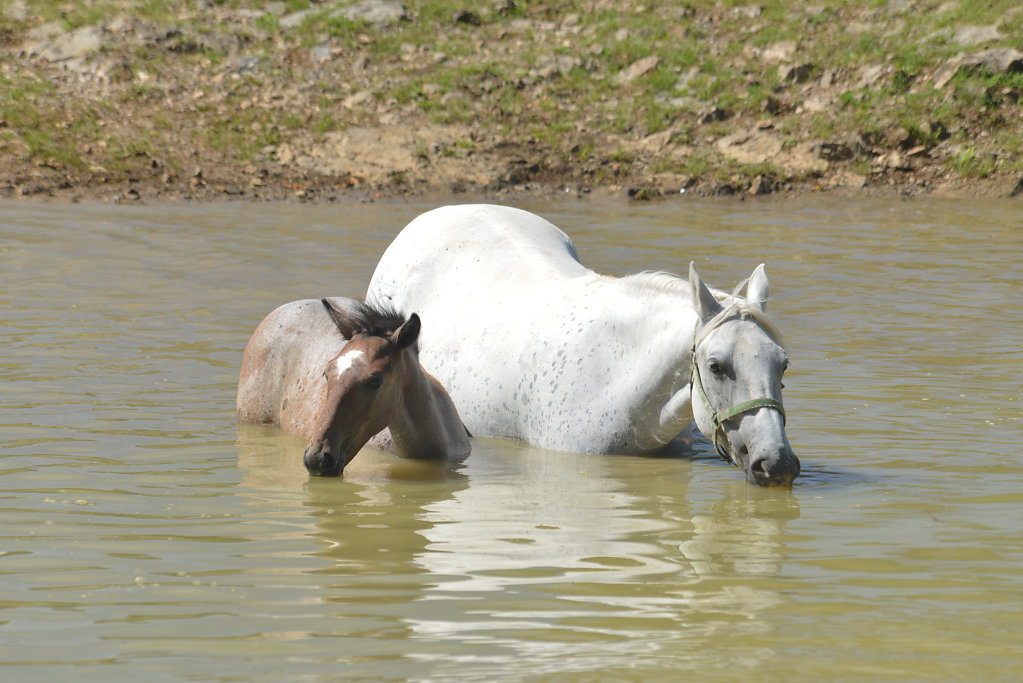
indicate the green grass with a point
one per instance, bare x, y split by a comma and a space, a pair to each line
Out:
488, 78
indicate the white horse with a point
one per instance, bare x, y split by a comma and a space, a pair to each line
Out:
532, 345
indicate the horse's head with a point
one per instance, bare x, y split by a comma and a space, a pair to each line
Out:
364, 389
737, 367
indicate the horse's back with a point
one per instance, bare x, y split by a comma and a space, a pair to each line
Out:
473, 250
282, 360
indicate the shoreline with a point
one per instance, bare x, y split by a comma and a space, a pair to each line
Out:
310, 101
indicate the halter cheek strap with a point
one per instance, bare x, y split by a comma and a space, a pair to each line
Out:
719, 418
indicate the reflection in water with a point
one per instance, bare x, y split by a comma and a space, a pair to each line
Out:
526, 555
544, 548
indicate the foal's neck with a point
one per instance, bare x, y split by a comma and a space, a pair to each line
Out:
426, 423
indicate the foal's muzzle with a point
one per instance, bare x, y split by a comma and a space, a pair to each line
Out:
322, 461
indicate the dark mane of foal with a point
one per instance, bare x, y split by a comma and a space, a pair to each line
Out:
376, 321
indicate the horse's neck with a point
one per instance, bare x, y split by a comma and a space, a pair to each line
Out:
657, 322
426, 424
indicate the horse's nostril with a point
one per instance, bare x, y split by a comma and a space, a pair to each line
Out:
759, 467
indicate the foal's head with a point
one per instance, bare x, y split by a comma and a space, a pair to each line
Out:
364, 385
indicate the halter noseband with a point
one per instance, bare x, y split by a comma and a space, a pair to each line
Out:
719, 418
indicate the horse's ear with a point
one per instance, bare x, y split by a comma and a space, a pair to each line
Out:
406, 335
703, 301
344, 323
758, 290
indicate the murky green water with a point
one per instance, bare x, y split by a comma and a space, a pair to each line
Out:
145, 537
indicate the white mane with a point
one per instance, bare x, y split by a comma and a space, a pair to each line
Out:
734, 305
659, 280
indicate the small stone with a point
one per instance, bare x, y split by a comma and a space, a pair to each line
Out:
638, 69
376, 12
761, 186
795, 73
467, 18
711, 115
779, 52
85, 40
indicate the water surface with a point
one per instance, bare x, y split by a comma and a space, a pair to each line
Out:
145, 535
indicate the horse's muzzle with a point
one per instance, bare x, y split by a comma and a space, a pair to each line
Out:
773, 469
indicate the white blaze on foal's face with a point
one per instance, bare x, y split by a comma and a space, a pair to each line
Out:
347, 361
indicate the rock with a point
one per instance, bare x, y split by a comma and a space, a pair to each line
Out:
795, 73
748, 12
321, 53
552, 66
468, 18
16, 11
971, 36
504, 7
653, 144
376, 12
779, 52
871, 74
848, 179
74, 45
711, 115
893, 160
772, 105
295, 19
755, 147
802, 159
899, 7
998, 60
1015, 187
833, 151
934, 130
44, 32
246, 64
761, 185
637, 69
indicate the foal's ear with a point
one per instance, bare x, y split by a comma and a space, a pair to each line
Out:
703, 301
406, 335
758, 290
344, 323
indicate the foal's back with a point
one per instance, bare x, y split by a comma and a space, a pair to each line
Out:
280, 380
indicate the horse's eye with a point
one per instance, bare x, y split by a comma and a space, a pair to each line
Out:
716, 368
375, 382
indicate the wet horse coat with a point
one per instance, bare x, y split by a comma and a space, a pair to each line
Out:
533, 345
341, 374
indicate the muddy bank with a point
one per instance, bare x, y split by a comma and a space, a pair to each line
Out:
323, 101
